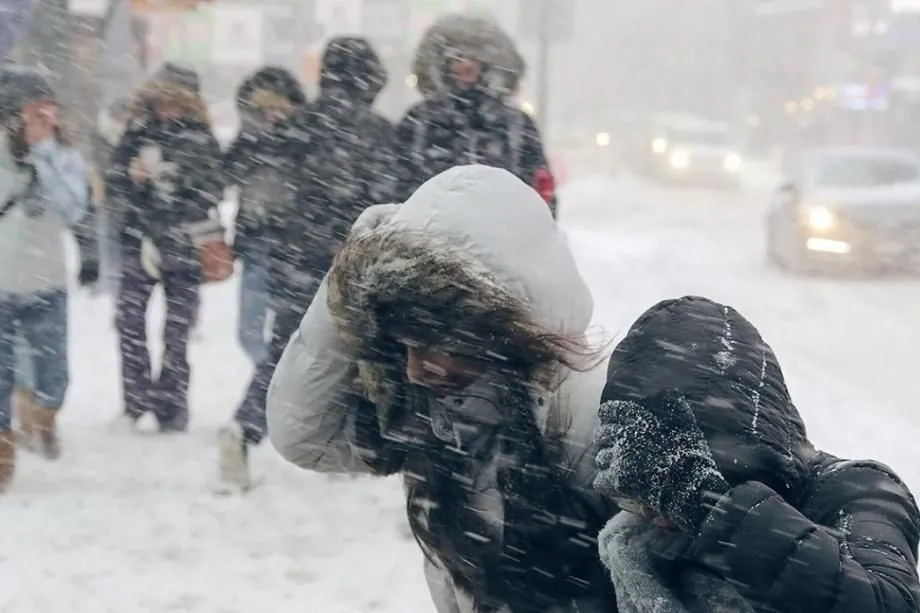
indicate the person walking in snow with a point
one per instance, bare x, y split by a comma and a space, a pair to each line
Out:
346, 163
732, 509
448, 344
265, 162
166, 171
468, 69
44, 192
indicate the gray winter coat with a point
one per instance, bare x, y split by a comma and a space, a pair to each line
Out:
506, 234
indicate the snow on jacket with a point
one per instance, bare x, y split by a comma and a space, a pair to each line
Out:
479, 126
52, 194
267, 160
800, 531
347, 161
332, 409
190, 183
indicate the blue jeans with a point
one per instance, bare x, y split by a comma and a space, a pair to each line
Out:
25, 372
41, 321
254, 301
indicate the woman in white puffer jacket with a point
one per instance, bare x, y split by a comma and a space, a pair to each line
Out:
448, 344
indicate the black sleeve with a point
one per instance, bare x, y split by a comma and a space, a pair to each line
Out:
235, 162
121, 192
534, 165
200, 173
382, 180
864, 561
407, 167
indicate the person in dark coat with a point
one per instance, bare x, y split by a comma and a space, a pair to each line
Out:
734, 508
346, 164
166, 171
265, 162
468, 69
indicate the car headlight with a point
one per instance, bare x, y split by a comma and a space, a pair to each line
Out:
602, 139
659, 145
680, 159
820, 218
732, 162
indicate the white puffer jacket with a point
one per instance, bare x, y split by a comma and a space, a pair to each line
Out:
495, 220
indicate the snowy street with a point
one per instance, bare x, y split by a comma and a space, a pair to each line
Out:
128, 523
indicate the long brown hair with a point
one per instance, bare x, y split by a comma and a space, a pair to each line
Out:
389, 286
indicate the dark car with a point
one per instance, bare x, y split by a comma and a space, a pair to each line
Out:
687, 150
855, 207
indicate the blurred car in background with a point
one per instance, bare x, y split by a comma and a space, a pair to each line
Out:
857, 207
684, 149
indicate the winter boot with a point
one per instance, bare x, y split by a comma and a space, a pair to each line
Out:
45, 425
24, 410
7, 459
233, 458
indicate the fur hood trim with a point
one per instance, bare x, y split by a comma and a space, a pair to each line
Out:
476, 36
473, 252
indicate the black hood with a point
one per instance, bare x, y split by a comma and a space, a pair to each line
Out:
352, 67
717, 360
274, 79
20, 84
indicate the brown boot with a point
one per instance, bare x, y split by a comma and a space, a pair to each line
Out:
45, 424
24, 410
7, 459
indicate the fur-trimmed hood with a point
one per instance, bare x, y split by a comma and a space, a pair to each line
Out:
173, 83
475, 36
472, 250
259, 88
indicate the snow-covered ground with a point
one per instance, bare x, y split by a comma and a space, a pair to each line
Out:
128, 523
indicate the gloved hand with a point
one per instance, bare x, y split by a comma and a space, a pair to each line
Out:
654, 452
151, 259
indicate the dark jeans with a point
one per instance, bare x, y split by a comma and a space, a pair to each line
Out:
40, 320
290, 307
166, 395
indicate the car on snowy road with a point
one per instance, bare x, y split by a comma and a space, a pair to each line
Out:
687, 150
856, 207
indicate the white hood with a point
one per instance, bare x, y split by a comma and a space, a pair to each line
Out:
493, 217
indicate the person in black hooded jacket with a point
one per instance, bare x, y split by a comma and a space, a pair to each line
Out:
734, 508
346, 169
468, 69
166, 172
266, 163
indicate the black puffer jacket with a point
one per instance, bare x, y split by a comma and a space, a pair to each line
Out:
800, 531
347, 161
453, 127
192, 182
266, 159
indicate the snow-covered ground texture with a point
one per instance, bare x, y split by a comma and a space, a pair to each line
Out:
128, 523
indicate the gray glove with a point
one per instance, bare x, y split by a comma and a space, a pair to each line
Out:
654, 452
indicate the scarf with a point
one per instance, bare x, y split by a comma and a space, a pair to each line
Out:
648, 577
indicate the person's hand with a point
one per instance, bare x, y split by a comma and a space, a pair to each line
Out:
653, 454
40, 120
138, 171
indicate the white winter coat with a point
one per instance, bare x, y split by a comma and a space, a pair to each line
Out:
500, 222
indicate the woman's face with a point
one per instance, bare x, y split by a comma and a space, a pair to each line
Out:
465, 72
168, 111
439, 371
